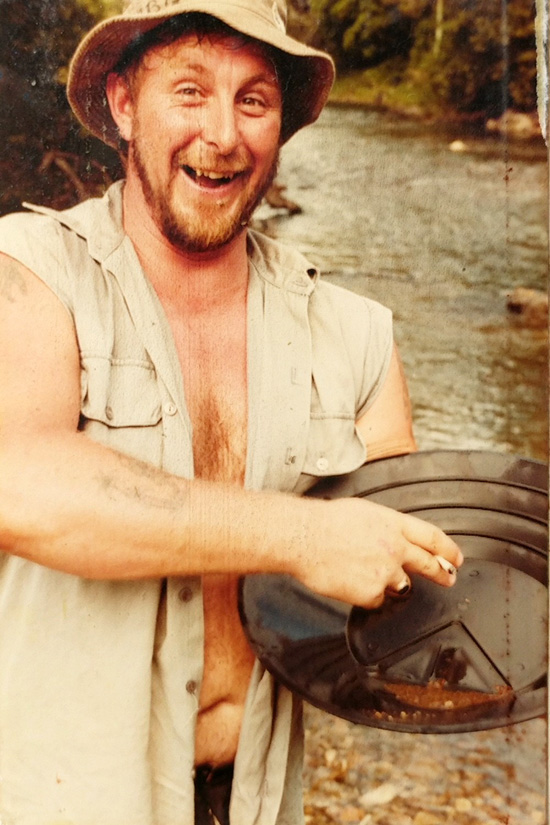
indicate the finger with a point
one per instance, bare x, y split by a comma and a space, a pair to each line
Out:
432, 539
371, 601
402, 588
434, 567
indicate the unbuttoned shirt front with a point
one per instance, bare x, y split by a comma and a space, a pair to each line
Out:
100, 680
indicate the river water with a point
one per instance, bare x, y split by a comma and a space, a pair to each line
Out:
439, 236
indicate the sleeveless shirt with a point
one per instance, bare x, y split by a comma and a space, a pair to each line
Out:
100, 680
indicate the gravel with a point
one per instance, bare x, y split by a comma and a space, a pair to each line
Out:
367, 776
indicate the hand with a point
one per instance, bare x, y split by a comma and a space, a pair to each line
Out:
359, 550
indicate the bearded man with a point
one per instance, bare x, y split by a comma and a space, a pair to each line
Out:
171, 381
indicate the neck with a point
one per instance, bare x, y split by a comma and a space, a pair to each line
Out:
191, 282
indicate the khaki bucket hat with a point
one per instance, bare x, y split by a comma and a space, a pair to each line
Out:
311, 76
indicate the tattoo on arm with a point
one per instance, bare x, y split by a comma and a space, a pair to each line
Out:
143, 483
12, 283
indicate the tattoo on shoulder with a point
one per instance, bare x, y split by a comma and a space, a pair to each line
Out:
143, 483
12, 283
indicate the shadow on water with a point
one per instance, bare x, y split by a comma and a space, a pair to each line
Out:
439, 236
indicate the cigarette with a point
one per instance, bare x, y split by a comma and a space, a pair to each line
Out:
446, 565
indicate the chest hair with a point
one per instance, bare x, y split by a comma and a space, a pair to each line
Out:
219, 440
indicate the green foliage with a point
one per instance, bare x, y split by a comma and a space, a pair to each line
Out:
362, 33
469, 55
44, 155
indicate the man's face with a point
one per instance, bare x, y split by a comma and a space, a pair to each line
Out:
204, 139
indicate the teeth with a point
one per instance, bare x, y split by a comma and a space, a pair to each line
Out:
202, 173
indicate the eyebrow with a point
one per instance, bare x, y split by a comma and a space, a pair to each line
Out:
269, 79
194, 67
261, 77
265, 78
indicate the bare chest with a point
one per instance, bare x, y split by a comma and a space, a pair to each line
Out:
212, 356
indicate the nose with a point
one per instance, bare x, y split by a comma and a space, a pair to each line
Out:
220, 128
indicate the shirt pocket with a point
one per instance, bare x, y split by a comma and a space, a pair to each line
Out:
333, 448
121, 406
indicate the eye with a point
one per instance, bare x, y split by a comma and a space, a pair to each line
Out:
260, 97
253, 101
189, 92
253, 105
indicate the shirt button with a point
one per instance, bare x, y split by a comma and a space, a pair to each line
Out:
322, 464
185, 594
170, 409
191, 686
109, 413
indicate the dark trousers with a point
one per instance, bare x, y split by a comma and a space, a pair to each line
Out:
212, 794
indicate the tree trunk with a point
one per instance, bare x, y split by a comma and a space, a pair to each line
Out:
438, 26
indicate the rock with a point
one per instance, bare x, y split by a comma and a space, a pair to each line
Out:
330, 755
515, 124
379, 796
426, 818
530, 304
463, 805
349, 813
457, 146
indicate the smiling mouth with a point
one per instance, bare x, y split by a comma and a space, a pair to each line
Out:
211, 180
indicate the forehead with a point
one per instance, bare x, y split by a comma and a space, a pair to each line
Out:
211, 54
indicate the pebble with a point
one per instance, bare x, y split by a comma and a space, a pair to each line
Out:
426, 818
457, 146
379, 796
330, 756
359, 775
462, 804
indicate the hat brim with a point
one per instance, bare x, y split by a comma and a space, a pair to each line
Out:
102, 48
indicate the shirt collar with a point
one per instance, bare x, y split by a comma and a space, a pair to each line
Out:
99, 222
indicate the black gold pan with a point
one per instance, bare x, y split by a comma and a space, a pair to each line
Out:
438, 660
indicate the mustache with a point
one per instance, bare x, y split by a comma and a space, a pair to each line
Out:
233, 164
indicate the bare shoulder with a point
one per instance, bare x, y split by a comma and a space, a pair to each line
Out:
39, 363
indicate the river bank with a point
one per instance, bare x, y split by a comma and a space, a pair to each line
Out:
414, 101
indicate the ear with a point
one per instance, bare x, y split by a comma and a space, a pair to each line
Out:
121, 104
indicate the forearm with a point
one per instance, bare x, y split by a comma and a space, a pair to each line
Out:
69, 503
76, 506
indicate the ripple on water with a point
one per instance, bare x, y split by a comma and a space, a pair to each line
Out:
439, 237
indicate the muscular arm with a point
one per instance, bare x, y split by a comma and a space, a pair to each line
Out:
69, 503
72, 504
